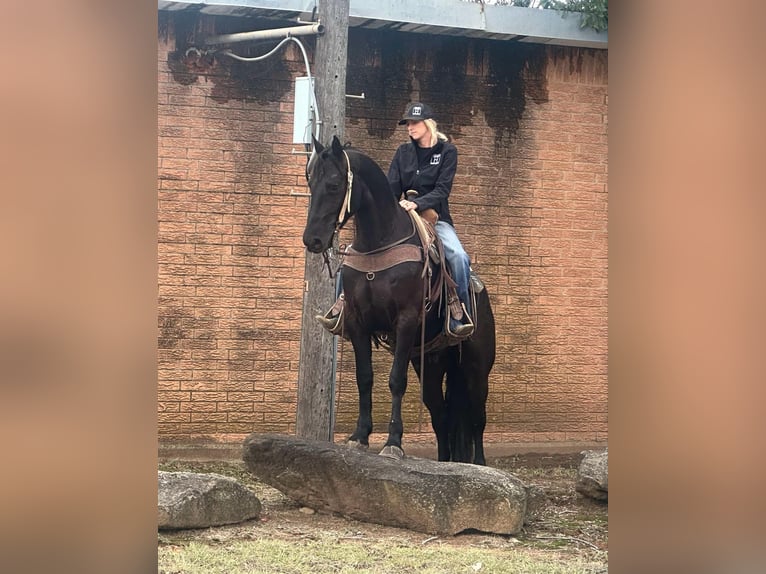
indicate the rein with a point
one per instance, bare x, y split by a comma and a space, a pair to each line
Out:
385, 247
329, 265
345, 207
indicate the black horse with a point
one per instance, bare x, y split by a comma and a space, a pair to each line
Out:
388, 304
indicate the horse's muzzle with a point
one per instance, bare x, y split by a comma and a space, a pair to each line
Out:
313, 244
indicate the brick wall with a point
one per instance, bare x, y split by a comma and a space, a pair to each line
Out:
529, 202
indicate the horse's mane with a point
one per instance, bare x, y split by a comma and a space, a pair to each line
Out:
369, 170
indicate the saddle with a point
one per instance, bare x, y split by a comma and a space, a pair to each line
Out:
442, 287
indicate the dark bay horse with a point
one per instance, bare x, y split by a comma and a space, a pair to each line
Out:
346, 183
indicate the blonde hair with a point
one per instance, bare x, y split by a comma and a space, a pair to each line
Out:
435, 133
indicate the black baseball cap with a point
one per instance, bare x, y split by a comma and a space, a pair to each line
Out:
416, 111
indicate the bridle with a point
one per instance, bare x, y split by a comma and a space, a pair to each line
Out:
345, 207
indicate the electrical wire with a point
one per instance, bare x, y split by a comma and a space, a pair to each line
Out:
317, 115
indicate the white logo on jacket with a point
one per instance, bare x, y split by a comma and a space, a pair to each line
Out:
436, 158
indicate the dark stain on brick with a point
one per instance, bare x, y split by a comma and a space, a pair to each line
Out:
378, 65
181, 26
498, 77
574, 58
265, 81
445, 85
516, 72
171, 325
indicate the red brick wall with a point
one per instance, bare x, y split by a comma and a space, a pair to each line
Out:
529, 202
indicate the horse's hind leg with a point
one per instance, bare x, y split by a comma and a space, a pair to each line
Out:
433, 397
477, 384
479, 419
481, 351
466, 398
363, 355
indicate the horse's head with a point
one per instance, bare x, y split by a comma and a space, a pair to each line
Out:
328, 181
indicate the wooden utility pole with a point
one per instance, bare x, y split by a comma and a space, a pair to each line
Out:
316, 371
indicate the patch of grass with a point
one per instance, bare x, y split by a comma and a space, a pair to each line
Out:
569, 535
342, 557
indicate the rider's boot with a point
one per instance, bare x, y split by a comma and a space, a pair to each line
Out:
460, 324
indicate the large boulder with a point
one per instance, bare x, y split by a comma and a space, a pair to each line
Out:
417, 494
191, 500
593, 474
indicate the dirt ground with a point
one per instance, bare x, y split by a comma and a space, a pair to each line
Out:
566, 523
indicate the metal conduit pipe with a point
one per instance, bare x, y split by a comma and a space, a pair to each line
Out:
231, 54
307, 30
284, 41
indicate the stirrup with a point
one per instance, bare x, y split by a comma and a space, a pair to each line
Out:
333, 319
465, 329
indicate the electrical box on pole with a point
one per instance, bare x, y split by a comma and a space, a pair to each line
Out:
303, 111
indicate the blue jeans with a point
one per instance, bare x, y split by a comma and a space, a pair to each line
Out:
457, 260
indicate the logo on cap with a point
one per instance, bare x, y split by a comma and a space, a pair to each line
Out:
416, 111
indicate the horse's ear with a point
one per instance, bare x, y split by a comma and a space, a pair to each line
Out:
337, 147
317, 146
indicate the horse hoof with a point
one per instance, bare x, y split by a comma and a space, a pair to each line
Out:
392, 451
355, 444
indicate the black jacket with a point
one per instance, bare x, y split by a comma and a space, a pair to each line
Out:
432, 179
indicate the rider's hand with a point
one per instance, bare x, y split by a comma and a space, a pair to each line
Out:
408, 205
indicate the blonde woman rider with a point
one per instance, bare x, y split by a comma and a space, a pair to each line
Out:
427, 165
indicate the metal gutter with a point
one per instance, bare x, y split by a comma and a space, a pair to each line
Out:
448, 17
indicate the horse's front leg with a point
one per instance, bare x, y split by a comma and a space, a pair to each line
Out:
363, 355
397, 383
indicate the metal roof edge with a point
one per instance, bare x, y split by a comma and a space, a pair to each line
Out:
453, 17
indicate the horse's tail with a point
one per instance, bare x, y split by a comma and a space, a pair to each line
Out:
459, 416
467, 386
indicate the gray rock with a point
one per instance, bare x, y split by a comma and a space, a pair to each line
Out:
593, 474
191, 500
423, 495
